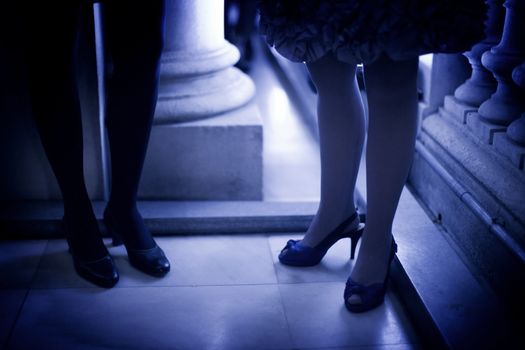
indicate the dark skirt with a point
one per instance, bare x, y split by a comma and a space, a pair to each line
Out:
359, 31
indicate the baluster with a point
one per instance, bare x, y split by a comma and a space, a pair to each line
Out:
516, 130
481, 84
506, 104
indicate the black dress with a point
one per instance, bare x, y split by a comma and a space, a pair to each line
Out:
359, 31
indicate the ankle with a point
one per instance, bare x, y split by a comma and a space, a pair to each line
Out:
129, 226
84, 239
336, 212
329, 220
373, 261
324, 224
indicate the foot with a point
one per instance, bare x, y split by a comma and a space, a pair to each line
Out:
143, 253
323, 224
373, 262
130, 225
90, 256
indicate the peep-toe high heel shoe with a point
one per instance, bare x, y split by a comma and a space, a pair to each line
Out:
371, 295
296, 254
101, 272
151, 261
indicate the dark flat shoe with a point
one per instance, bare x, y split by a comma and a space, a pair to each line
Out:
101, 272
151, 261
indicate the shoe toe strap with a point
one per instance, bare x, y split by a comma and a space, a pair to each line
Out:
367, 293
289, 245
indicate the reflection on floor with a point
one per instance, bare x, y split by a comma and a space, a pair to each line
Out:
224, 292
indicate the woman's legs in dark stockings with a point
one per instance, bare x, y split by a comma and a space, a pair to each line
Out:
341, 135
392, 100
52, 33
135, 37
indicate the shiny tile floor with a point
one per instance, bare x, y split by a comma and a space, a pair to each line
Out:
224, 292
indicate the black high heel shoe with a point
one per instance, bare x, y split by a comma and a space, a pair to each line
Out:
101, 272
295, 254
151, 261
372, 295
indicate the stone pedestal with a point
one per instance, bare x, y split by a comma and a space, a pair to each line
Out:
206, 140
218, 158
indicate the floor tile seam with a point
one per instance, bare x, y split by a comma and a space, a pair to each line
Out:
26, 295
285, 314
270, 252
178, 286
182, 286
37, 269
268, 236
9, 338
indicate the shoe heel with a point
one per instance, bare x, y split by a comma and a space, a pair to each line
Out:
353, 246
354, 239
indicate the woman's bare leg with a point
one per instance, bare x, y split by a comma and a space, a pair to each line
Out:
392, 99
341, 134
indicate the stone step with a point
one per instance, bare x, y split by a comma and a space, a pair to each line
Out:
42, 219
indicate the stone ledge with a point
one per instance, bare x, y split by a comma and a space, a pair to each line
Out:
42, 219
437, 287
487, 175
488, 260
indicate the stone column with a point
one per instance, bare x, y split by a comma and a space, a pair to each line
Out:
206, 141
506, 104
481, 84
198, 79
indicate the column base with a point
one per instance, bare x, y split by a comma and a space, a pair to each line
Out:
218, 158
